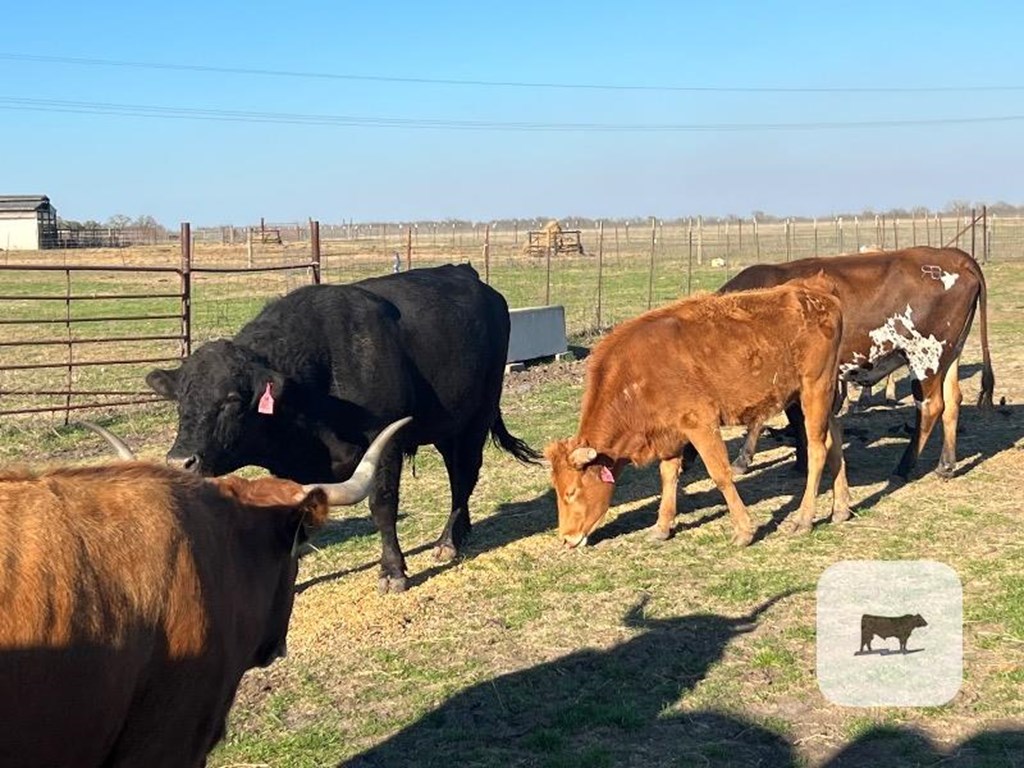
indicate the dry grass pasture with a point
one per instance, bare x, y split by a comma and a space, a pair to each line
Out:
632, 652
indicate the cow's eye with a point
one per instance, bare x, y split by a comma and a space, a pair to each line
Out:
233, 398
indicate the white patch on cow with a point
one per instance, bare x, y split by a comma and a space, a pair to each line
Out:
893, 344
899, 334
846, 370
938, 273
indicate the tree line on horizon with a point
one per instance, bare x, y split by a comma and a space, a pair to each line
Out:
121, 221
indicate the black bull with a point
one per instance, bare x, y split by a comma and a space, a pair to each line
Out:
304, 387
912, 308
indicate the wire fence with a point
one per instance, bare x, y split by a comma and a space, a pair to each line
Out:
82, 328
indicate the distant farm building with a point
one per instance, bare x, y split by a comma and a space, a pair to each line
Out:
27, 223
552, 238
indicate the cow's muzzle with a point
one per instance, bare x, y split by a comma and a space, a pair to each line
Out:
572, 542
186, 463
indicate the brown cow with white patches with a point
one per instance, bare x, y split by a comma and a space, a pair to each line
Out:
673, 376
133, 598
911, 307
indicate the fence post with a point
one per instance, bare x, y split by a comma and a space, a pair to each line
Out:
600, 268
552, 244
789, 242
408, 249
689, 259
650, 274
487, 254
248, 247
974, 222
942, 240
984, 234
314, 244
700, 241
186, 288
71, 346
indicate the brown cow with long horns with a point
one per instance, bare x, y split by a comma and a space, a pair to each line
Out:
134, 596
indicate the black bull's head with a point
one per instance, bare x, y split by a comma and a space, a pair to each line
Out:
225, 395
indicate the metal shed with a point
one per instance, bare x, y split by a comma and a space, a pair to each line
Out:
27, 223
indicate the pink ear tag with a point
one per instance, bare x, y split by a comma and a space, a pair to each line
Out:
266, 401
606, 475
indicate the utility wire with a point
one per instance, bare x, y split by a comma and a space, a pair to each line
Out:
241, 116
126, 64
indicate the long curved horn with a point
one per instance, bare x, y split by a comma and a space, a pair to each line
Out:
119, 445
357, 487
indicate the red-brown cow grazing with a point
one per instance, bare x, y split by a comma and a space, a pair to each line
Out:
133, 598
912, 307
673, 376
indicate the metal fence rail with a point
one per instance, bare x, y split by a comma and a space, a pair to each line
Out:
83, 336
22, 331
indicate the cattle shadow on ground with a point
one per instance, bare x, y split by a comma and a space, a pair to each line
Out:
870, 460
981, 434
596, 708
870, 457
888, 652
905, 747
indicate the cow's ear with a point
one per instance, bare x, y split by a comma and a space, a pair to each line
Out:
312, 509
164, 382
309, 514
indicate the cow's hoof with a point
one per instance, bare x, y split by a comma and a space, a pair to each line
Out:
795, 527
392, 584
739, 468
445, 552
742, 538
656, 533
841, 515
945, 471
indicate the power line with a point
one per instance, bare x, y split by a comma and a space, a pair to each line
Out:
178, 67
361, 121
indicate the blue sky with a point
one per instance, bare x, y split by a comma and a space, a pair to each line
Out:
234, 171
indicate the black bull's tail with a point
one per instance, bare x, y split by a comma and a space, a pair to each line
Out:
512, 444
988, 378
